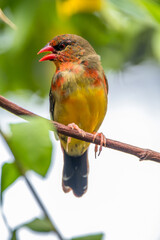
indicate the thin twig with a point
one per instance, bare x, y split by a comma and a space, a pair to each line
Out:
40, 203
5, 221
36, 196
7, 20
142, 154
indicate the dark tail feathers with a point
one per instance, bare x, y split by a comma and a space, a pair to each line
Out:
75, 174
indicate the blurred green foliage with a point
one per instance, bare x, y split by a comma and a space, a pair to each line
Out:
9, 175
42, 224
121, 31
31, 145
39, 225
90, 237
31, 148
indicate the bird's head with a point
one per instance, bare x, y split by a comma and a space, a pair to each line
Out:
68, 48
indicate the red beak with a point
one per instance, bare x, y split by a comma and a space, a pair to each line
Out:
48, 56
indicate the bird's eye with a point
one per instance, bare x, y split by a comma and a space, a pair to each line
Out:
60, 47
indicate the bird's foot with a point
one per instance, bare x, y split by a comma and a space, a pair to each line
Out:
68, 141
103, 142
74, 126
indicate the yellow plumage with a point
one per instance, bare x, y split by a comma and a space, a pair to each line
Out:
86, 107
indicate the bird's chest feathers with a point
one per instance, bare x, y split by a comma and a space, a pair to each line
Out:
71, 78
78, 94
67, 79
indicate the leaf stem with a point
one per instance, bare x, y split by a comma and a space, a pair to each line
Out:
5, 221
41, 205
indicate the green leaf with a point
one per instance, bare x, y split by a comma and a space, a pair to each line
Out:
31, 145
153, 8
39, 225
90, 237
82, 21
156, 45
9, 174
131, 8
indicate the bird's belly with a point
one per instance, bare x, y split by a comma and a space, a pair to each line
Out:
84, 107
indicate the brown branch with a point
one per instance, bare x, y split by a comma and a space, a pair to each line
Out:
142, 154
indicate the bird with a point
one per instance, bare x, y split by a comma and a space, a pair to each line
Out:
78, 98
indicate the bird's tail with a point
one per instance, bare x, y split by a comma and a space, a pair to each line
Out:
75, 174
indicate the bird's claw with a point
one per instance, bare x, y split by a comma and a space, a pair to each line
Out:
103, 142
68, 141
74, 126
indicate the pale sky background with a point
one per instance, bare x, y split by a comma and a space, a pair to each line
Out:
123, 197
